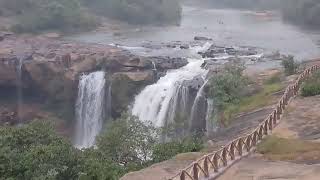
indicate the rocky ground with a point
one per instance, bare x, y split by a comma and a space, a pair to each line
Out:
300, 121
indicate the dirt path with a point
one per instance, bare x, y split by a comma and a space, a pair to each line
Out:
300, 121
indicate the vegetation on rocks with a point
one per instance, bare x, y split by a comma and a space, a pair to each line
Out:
311, 86
276, 148
228, 86
234, 93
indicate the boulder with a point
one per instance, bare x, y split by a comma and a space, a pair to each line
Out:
201, 38
125, 86
163, 63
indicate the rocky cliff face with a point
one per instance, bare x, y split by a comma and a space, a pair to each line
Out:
51, 68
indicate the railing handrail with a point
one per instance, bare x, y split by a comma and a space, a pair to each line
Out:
235, 149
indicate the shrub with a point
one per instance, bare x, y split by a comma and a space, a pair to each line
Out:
312, 86
310, 89
165, 151
289, 65
228, 86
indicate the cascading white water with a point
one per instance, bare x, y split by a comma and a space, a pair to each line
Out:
90, 108
157, 102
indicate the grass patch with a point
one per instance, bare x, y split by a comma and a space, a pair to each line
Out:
263, 98
276, 148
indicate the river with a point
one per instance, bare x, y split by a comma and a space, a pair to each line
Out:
227, 27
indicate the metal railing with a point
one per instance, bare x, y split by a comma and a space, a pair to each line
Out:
214, 163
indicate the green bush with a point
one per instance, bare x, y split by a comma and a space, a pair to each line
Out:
312, 85
310, 89
228, 86
289, 65
165, 151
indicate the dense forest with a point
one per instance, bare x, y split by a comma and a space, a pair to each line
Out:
37, 15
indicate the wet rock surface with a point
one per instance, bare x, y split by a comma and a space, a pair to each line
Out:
215, 50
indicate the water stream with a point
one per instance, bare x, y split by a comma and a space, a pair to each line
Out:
90, 110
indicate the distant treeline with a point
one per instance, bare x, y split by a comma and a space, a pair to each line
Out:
303, 12
37, 15
138, 11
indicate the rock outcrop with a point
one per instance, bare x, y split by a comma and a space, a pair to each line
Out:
52, 68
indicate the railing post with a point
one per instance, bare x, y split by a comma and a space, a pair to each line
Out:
265, 128
248, 143
270, 122
240, 146
254, 138
260, 132
206, 166
224, 156
232, 154
274, 117
215, 162
183, 175
278, 112
195, 171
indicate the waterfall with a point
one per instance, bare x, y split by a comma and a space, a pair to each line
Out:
210, 126
197, 118
154, 66
158, 102
19, 88
89, 108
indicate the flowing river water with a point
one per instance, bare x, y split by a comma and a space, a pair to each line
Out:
225, 26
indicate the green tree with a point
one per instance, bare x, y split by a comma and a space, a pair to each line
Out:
289, 65
34, 152
227, 86
128, 141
